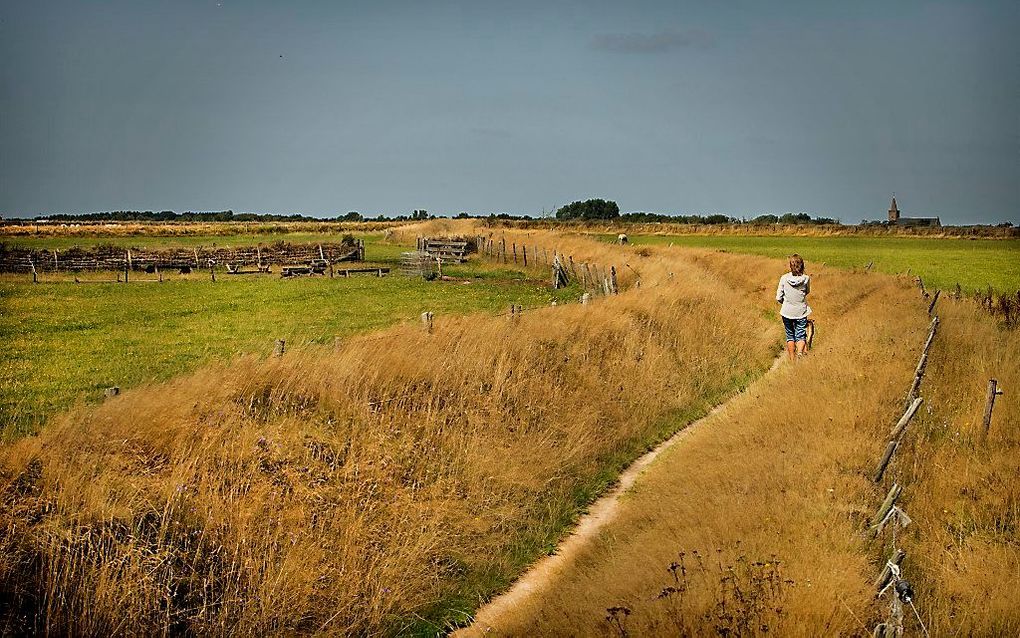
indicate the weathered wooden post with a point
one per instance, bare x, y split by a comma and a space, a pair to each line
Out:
279, 347
159, 273
127, 266
886, 574
612, 280
502, 250
56, 264
934, 299
212, 271
427, 322
887, 504
524, 253
111, 392
894, 438
993, 391
586, 299
918, 375
515, 252
35, 275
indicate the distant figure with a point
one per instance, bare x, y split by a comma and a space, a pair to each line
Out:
622, 239
792, 292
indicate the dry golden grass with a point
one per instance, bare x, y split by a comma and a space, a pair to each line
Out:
755, 523
964, 489
344, 490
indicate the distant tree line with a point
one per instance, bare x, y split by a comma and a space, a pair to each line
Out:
588, 210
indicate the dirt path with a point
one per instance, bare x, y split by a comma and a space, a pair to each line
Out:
544, 573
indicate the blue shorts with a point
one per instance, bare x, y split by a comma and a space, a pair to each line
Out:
796, 329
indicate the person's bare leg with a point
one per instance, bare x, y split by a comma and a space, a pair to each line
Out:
802, 347
791, 351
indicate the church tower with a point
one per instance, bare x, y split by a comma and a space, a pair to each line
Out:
894, 213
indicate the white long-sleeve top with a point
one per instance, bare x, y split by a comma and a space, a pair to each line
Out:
792, 293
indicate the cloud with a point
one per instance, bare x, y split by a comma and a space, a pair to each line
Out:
658, 42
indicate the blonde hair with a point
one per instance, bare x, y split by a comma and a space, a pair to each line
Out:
796, 264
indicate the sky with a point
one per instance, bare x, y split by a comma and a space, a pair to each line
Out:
325, 107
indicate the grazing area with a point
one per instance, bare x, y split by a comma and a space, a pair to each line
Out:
382, 484
66, 342
385, 476
975, 264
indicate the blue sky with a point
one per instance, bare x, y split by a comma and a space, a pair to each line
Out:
321, 108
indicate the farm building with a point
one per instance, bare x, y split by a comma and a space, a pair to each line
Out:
894, 218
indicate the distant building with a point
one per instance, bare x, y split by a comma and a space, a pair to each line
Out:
894, 218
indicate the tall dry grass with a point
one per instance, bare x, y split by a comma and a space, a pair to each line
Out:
962, 487
755, 525
353, 489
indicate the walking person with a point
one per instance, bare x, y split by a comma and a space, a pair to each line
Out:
792, 292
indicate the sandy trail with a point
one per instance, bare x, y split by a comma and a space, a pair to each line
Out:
603, 511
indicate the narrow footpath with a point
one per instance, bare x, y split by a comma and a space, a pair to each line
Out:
542, 576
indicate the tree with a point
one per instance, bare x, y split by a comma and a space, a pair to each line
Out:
353, 216
589, 209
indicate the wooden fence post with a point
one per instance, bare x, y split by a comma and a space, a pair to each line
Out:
895, 437
279, 347
524, 252
612, 280
427, 322
159, 273
883, 510
915, 387
931, 306
886, 575
515, 252
586, 299
35, 275
993, 391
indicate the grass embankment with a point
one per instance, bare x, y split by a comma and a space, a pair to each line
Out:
64, 342
975, 264
756, 524
384, 485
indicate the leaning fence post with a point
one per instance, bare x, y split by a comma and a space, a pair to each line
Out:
886, 575
993, 391
918, 375
894, 438
931, 306
279, 347
427, 322
887, 504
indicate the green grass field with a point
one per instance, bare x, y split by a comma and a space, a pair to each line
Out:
66, 342
975, 264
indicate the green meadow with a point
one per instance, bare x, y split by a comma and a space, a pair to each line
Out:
67, 342
975, 264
